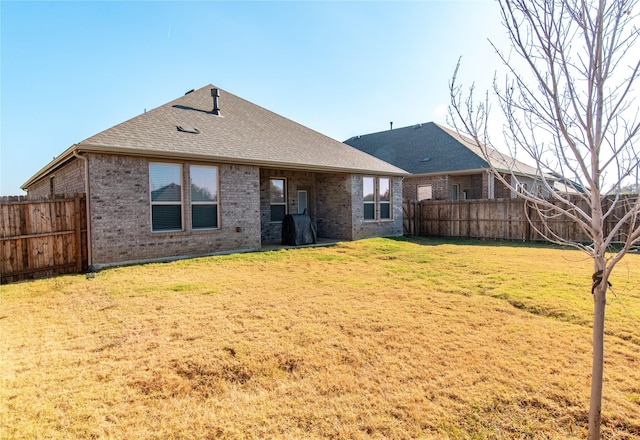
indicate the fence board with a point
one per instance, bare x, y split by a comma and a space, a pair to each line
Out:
41, 238
501, 219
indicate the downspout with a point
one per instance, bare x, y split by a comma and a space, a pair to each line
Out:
87, 206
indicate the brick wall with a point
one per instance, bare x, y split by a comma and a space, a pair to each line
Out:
334, 192
376, 228
272, 231
503, 191
440, 186
68, 179
121, 216
475, 185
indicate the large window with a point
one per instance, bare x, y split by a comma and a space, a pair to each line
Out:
165, 185
204, 197
278, 199
376, 195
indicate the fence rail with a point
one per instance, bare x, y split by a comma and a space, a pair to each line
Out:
40, 238
498, 219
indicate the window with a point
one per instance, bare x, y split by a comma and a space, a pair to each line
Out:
455, 191
165, 185
204, 197
278, 199
52, 185
303, 201
368, 195
376, 195
384, 198
425, 192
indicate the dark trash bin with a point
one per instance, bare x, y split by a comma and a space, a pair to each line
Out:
297, 229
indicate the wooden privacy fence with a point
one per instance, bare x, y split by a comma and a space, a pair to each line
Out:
40, 238
496, 219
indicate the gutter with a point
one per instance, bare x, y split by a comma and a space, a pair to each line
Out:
87, 207
263, 163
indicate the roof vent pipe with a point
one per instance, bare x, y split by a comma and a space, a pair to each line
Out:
391, 125
215, 95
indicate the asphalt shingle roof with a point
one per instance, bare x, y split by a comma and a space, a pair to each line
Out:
242, 133
430, 148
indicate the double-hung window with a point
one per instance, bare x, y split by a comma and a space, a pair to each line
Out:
384, 198
369, 197
204, 197
165, 186
278, 199
376, 195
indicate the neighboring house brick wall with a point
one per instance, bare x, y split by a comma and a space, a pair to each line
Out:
376, 228
440, 187
68, 179
121, 219
472, 184
503, 191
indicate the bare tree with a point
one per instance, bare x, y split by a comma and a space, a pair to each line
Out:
569, 104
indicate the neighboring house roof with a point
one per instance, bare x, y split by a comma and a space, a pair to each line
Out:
243, 133
430, 148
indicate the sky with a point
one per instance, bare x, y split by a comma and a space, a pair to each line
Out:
71, 69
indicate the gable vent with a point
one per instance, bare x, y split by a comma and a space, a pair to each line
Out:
187, 129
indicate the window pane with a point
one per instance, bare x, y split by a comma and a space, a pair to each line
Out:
277, 213
302, 202
425, 192
277, 191
165, 182
385, 210
383, 189
368, 190
369, 211
204, 184
204, 216
166, 217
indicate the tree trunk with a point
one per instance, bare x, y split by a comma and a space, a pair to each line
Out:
595, 409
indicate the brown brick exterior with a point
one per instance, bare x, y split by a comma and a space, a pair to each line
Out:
121, 216
272, 232
336, 205
474, 185
335, 209
68, 179
120, 210
376, 228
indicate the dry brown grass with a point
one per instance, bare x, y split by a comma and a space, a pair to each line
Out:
372, 339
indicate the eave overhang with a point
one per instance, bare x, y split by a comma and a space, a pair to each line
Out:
70, 152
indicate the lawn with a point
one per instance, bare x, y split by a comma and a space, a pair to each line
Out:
380, 338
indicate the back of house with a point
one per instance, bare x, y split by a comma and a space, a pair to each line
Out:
212, 173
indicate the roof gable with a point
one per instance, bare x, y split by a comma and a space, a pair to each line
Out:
430, 148
242, 133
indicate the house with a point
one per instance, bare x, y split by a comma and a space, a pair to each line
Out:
445, 165
213, 173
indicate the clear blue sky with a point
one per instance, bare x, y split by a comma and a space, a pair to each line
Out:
72, 69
